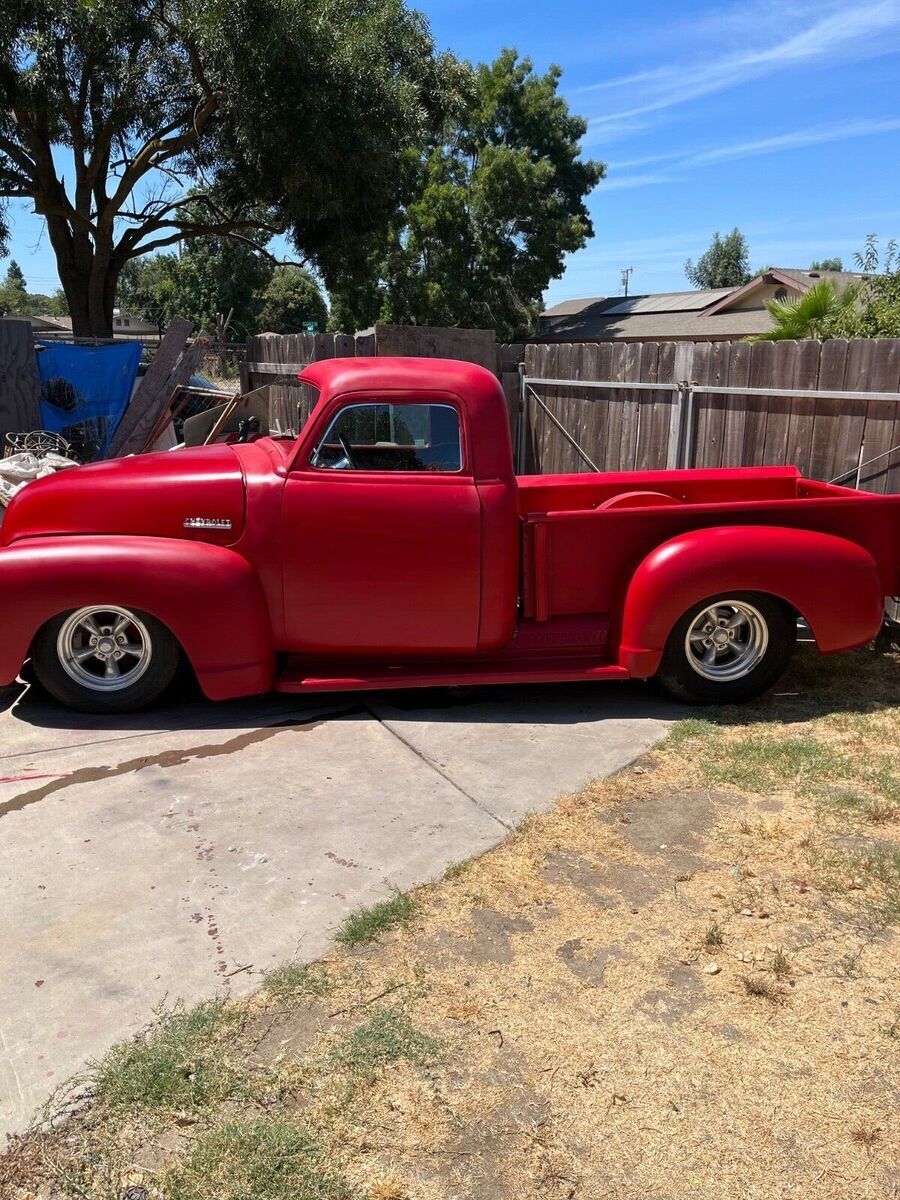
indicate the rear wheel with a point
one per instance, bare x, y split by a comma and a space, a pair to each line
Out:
105, 659
728, 649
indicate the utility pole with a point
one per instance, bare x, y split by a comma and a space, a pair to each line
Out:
626, 272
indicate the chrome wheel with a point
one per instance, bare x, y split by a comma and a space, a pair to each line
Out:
726, 640
104, 649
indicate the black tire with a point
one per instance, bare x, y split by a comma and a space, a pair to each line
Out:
771, 629
151, 681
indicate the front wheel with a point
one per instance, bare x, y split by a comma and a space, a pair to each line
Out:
105, 659
728, 649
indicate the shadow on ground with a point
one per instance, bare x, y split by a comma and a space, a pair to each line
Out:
814, 685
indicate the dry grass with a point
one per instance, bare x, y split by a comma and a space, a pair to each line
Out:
681, 982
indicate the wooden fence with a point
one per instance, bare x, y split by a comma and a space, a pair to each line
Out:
274, 360
622, 429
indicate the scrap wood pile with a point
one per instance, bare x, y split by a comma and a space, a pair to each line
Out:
62, 404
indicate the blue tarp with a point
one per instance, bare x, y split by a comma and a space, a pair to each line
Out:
85, 390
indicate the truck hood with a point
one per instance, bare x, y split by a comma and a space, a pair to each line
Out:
196, 494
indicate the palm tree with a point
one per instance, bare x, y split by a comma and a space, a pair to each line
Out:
818, 313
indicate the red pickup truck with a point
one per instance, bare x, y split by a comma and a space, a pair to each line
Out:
391, 545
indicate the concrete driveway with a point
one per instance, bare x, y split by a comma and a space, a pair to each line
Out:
183, 851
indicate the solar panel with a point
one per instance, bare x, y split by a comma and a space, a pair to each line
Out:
668, 302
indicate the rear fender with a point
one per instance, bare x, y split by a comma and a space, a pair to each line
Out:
208, 596
833, 583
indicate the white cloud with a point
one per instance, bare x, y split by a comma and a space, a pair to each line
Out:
616, 183
816, 136
796, 139
844, 31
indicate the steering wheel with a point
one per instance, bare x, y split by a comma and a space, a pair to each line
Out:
345, 446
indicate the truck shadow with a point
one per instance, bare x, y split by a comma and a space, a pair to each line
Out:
187, 708
858, 681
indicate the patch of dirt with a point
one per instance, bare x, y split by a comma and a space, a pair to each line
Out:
276, 1036
666, 820
589, 964
682, 994
487, 942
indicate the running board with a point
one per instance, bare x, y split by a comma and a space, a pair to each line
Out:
360, 677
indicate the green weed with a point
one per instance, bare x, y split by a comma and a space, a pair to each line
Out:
365, 924
255, 1160
174, 1064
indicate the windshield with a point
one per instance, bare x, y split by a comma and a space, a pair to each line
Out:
290, 407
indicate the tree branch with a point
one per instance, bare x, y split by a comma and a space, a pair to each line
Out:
186, 233
18, 155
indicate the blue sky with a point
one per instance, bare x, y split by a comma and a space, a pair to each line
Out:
779, 116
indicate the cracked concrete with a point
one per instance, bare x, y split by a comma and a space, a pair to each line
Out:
184, 851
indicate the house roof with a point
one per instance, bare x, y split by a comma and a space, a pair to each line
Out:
40, 324
660, 326
698, 314
838, 278
568, 308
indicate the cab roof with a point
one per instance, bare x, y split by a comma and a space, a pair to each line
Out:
477, 389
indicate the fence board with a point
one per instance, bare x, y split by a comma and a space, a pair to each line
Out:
428, 341
851, 421
756, 408
20, 385
736, 406
803, 408
631, 408
827, 413
550, 439
783, 367
699, 369
534, 367
612, 457
594, 406
646, 456
711, 409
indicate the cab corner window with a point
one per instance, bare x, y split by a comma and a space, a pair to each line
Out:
391, 437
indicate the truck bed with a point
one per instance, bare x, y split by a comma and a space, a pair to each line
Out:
584, 534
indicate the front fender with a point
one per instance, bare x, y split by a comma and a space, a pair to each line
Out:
833, 583
208, 596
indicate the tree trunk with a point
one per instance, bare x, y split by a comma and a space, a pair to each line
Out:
90, 297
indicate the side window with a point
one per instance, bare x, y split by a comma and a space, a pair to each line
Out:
391, 437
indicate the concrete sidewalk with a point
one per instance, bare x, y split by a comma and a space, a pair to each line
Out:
183, 851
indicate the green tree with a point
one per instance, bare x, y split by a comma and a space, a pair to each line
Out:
818, 313
57, 305
15, 276
877, 314
13, 296
827, 264
726, 264
291, 303
212, 276
146, 288
308, 110
499, 200
217, 275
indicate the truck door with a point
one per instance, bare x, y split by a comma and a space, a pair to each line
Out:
382, 532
